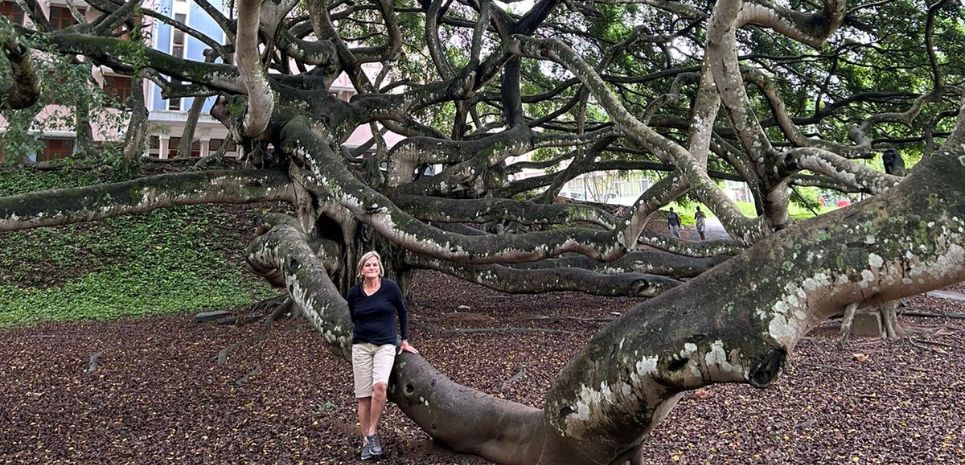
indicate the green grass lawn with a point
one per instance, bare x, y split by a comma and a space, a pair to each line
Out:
172, 260
686, 211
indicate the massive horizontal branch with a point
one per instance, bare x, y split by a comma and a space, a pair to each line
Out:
414, 151
443, 210
535, 182
65, 206
536, 280
374, 209
649, 262
632, 373
689, 248
123, 55
841, 169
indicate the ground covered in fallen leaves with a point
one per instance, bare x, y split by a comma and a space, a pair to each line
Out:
148, 390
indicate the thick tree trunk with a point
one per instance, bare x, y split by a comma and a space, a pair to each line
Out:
84, 132
187, 137
900, 243
136, 137
735, 323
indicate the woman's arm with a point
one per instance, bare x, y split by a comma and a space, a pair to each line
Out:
399, 302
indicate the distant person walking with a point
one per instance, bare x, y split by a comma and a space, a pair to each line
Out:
701, 222
673, 222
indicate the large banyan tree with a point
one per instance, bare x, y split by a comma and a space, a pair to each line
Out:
775, 94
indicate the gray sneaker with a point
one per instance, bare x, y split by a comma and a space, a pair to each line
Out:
367, 451
375, 446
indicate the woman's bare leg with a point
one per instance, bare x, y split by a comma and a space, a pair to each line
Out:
375, 407
365, 407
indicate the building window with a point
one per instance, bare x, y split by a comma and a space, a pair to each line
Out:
12, 11
175, 142
154, 146
56, 149
177, 47
215, 144
177, 50
117, 88
60, 18
620, 188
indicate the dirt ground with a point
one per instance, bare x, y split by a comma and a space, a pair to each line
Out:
156, 395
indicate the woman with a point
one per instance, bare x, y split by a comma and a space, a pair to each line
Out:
374, 304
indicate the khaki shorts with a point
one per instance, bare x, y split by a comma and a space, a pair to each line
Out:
371, 364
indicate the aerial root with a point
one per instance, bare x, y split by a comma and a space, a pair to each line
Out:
846, 324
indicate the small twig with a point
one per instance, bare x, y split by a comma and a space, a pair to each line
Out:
248, 376
250, 340
92, 363
509, 330
922, 313
936, 343
573, 318
851, 370
914, 343
255, 338
945, 330
519, 374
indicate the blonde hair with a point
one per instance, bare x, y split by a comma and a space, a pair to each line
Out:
365, 257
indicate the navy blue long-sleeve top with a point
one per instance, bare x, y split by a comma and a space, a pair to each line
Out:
374, 316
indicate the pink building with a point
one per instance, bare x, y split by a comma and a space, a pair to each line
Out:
167, 117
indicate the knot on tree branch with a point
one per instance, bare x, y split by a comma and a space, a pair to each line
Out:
768, 368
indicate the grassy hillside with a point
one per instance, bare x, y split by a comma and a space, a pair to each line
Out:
182, 259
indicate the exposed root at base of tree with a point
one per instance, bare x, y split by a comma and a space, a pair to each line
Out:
846, 324
887, 312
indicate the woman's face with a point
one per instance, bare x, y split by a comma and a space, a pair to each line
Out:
371, 269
